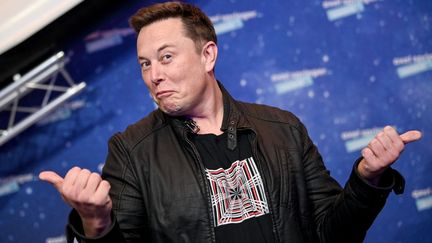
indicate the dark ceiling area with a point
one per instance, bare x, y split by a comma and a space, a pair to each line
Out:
51, 39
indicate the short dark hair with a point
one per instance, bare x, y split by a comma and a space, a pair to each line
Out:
197, 25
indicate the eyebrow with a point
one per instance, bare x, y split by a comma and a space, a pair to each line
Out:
158, 50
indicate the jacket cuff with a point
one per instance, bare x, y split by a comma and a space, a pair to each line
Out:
390, 180
74, 230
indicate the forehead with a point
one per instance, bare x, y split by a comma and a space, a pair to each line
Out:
169, 25
158, 33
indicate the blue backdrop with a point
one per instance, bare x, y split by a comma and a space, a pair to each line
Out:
346, 68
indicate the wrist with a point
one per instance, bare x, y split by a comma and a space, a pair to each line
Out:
365, 173
95, 227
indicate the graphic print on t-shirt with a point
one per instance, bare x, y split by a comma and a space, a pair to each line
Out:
237, 193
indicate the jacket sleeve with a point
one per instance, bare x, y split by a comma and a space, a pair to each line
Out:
344, 214
129, 216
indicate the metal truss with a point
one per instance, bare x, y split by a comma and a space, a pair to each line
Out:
49, 81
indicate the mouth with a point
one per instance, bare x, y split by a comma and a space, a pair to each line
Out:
164, 93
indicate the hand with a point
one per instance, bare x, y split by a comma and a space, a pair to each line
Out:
88, 194
383, 151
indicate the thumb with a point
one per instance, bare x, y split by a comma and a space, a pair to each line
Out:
411, 136
52, 178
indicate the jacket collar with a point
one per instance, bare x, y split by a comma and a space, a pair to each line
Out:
230, 122
230, 119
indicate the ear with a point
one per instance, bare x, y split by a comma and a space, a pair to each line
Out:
209, 55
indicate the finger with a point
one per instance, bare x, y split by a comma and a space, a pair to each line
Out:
377, 148
68, 190
102, 193
93, 183
411, 136
395, 138
71, 175
52, 178
385, 140
81, 180
369, 156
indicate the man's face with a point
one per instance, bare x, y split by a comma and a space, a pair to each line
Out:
171, 67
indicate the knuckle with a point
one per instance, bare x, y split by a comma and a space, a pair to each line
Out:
85, 172
94, 174
400, 147
388, 128
364, 152
105, 184
75, 168
95, 177
373, 143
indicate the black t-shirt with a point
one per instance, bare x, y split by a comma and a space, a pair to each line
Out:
239, 202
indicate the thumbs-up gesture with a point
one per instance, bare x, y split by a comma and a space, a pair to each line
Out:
88, 194
383, 151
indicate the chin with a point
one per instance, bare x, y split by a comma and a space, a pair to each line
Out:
172, 110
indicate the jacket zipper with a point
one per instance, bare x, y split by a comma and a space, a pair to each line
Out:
270, 205
206, 185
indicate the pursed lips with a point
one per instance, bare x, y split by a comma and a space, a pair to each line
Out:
164, 93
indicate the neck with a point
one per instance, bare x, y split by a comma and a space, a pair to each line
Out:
209, 118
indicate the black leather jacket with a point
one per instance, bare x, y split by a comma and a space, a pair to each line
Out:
160, 192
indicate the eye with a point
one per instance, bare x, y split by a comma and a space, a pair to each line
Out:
145, 65
166, 58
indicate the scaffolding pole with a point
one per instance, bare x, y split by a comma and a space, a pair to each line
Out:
41, 78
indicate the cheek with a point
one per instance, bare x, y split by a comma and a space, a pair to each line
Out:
149, 87
146, 79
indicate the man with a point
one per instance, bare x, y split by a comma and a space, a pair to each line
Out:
207, 168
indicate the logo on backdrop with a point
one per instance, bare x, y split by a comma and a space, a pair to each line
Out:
411, 65
229, 22
12, 184
337, 9
104, 39
423, 198
292, 80
356, 140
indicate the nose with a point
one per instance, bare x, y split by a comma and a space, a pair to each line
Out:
156, 74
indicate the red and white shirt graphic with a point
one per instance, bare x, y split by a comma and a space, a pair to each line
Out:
237, 193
